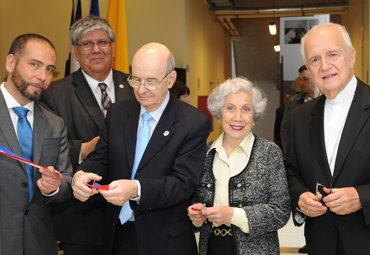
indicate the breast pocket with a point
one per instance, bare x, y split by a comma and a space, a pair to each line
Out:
364, 152
50, 151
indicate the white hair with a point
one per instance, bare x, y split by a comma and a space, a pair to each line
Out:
218, 96
342, 29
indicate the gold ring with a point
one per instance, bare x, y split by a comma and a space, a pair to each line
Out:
112, 202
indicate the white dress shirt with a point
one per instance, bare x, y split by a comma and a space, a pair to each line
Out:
156, 115
96, 89
335, 115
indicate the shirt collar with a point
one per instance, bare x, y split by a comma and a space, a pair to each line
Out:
156, 115
94, 83
246, 145
347, 92
11, 102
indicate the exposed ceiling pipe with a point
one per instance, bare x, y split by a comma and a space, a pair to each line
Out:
281, 12
225, 16
228, 24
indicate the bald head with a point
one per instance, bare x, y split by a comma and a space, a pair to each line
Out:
154, 63
156, 52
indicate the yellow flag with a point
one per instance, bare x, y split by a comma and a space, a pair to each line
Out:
116, 17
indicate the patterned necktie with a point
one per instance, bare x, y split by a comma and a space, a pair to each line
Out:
25, 139
141, 143
105, 99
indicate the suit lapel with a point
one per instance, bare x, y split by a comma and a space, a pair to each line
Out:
162, 133
7, 129
87, 98
317, 137
356, 119
130, 132
39, 126
120, 85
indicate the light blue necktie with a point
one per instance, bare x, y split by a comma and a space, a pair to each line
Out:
141, 143
25, 139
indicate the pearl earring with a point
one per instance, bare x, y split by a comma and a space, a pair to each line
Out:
254, 124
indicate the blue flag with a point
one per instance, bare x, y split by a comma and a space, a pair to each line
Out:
94, 8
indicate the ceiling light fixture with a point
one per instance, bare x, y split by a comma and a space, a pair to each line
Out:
277, 47
272, 28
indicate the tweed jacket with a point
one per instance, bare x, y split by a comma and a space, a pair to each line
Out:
261, 189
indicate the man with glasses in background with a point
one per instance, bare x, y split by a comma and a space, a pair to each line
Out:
151, 153
82, 100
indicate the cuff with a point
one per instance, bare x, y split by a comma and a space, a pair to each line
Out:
51, 194
240, 219
137, 199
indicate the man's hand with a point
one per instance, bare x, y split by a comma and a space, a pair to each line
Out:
310, 205
50, 180
120, 191
342, 201
81, 191
88, 147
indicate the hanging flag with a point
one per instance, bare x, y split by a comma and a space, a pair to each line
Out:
71, 63
116, 17
94, 7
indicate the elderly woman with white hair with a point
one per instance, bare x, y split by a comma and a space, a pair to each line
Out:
242, 199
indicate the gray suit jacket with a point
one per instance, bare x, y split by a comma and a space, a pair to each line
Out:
26, 226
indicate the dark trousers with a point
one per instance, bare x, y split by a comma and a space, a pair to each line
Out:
79, 249
125, 242
220, 245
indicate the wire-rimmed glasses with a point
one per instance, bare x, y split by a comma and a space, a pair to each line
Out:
317, 190
88, 45
149, 85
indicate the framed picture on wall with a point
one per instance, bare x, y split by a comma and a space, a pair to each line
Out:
294, 30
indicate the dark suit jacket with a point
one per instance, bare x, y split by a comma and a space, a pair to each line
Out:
169, 173
279, 113
307, 164
26, 226
72, 99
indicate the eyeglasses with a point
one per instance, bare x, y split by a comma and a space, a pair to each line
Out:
317, 190
149, 85
102, 44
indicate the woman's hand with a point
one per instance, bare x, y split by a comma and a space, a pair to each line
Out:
195, 213
219, 214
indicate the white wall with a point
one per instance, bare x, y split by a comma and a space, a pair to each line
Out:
291, 52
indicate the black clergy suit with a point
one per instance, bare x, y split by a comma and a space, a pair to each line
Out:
307, 163
25, 227
72, 99
169, 173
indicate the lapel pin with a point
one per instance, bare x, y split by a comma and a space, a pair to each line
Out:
121, 86
166, 133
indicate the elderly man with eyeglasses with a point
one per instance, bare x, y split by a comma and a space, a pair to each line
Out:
151, 153
82, 100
